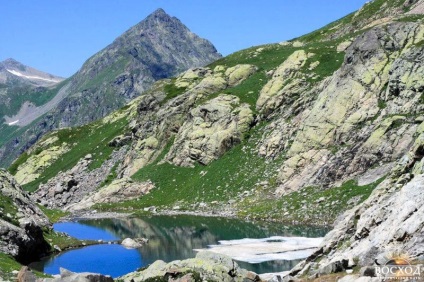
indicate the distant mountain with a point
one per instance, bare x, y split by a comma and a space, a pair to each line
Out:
12, 71
23, 88
158, 47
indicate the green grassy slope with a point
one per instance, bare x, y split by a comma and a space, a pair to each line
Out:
241, 170
17, 95
90, 139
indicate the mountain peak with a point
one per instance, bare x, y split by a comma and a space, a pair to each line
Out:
159, 12
158, 15
10, 62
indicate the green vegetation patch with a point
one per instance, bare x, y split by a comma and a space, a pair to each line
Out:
19, 95
89, 139
8, 210
53, 214
108, 74
13, 169
411, 18
270, 57
239, 170
308, 205
248, 91
329, 61
172, 91
64, 241
7, 266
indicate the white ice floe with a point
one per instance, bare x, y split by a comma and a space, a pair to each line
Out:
32, 77
267, 249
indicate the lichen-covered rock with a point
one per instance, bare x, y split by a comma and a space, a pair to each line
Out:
359, 117
157, 122
282, 85
211, 130
207, 266
239, 73
343, 46
21, 222
189, 78
34, 166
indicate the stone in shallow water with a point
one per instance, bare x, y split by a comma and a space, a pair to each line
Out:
133, 244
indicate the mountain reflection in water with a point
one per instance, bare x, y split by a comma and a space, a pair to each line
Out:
176, 237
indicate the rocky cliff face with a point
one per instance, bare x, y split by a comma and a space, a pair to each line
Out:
158, 47
365, 114
21, 222
389, 223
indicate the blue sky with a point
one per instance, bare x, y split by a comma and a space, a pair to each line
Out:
57, 36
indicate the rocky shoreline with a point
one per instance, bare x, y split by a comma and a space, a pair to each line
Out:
86, 215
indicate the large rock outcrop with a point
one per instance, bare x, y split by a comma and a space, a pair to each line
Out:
224, 117
206, 266
210, 130
21, 222
362, 115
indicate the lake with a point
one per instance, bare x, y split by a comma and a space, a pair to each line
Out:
170, 238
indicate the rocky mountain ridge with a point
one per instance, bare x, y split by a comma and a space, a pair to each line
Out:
11, 70
158, 47
22, 90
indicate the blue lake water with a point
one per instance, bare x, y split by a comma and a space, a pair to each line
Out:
113, 260
170, 238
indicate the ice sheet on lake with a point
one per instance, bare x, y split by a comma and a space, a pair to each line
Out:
267, 249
